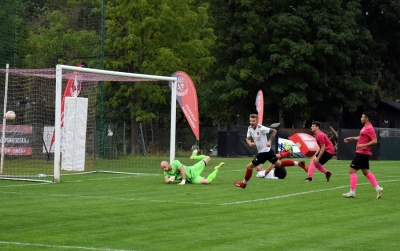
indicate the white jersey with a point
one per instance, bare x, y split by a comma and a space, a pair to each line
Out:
259, 136
270, 175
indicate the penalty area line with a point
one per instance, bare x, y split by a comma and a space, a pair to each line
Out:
16, 243
297, 194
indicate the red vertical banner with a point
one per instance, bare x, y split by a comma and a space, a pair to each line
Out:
186, 96
260, 106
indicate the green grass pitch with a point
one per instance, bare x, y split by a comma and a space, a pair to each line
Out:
139, 212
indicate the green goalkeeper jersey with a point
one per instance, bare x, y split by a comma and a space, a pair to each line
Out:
175, 170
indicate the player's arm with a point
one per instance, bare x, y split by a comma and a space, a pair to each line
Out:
350, 139
251, 144
183, 173
273, 134
270, 167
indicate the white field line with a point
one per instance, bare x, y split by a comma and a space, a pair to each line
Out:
16, 243
195, 203
297, 194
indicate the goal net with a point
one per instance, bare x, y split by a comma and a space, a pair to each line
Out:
62, 128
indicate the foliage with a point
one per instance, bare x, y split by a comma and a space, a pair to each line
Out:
64, 36
154, 37
307, 57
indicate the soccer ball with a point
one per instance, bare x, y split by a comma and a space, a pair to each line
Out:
10, 115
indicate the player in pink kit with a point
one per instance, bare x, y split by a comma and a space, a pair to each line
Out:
365, 140
323, 155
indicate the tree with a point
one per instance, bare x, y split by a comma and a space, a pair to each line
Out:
64, 33
382, 19
311, 58
154, 37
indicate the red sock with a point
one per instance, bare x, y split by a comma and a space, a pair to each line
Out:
248, 174
284, 154
287, 163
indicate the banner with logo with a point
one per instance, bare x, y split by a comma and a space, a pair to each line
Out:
18, 140
187, 98
260, 106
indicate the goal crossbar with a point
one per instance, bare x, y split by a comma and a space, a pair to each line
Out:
57, 122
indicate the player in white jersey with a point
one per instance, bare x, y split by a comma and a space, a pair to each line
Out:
259, 135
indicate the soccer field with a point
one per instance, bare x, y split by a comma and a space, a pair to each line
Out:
141, 213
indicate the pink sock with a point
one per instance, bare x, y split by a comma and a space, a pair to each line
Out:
353, 181
321, 168
311, 169
372, 179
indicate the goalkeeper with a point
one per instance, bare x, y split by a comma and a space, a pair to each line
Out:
191, 174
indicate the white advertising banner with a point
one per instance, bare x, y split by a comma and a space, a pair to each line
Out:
74, 132
47, 135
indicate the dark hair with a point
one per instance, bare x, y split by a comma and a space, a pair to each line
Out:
368, 115
280, 172
316, 123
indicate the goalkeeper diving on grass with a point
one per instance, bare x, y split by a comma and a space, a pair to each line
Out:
190, 174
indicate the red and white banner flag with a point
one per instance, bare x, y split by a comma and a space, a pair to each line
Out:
68, 92
260, 106
187, 98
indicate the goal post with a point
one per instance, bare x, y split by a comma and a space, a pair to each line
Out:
58, 99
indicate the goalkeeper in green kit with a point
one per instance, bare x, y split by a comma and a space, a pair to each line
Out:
190, 174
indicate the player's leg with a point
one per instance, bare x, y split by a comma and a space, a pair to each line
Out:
283, 163
198, 157
247, 175
195, 155
212, 175
371, 177
259, 159
357, 163
198, 168
324, 158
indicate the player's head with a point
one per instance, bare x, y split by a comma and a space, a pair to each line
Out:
253, 120
315, 125
366, 117
259, 168
165, 166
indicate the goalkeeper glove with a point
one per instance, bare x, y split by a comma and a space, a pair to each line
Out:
171, 179
183, 182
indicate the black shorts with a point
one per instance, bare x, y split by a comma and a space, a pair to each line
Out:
325, 157
261, 158
280, 172
360, 161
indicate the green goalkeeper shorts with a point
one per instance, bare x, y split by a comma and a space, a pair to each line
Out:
194, 176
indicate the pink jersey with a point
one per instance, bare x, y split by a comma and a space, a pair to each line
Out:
322, 139
367, 134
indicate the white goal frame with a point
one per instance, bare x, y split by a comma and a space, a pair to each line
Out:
57, 121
